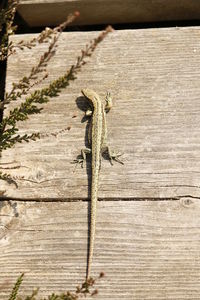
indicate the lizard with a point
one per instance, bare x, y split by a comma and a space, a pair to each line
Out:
97, 139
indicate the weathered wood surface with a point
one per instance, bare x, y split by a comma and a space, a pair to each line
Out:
52, 12
147, 249
153, 76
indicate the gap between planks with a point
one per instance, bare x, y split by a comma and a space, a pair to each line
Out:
182, 197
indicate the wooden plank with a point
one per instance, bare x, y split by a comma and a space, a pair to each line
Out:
153, 76
52, 12
147, 249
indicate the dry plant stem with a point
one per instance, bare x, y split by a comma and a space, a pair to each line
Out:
46, 34
89, 49
24, 85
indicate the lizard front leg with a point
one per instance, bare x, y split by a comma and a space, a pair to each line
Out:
82, 157
108, 104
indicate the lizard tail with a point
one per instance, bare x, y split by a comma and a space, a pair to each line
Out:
93, 210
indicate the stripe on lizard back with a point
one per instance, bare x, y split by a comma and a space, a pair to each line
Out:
97, 139
98, 144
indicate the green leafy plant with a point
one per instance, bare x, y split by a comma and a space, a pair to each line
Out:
16, 287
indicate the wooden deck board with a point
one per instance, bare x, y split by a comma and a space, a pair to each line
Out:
53, 12
147, 249
153, 76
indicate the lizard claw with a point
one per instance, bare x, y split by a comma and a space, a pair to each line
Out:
78, 161
114, 156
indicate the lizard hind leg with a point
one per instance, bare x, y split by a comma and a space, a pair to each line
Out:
113, 155
82, 157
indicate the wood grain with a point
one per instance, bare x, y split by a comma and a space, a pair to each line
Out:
52, 12
153, 76
147, 249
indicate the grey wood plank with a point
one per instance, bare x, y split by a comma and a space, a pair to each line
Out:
153, 76
52, 12
147, 249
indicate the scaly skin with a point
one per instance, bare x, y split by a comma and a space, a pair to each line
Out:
97, 138
98, 141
